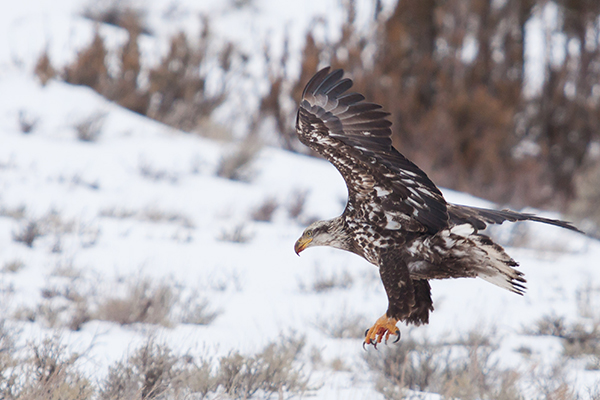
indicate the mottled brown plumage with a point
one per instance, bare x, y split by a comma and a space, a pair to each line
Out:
395, 217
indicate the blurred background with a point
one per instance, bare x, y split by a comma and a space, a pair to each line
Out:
499, 99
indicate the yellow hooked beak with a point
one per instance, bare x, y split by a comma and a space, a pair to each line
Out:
302, 244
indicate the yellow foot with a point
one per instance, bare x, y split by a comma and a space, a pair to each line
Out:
383, 328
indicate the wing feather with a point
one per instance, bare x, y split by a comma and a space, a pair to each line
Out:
480, 217
384, 186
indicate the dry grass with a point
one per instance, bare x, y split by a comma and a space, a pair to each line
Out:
178, 87
61, 306
147, 374
270, 372
264, 212
51, 223
155, 215
13, 212
176, 91
469, 369
153, 371
223, 279
587, 202
27, 121
44, 69
551, 382
236, 234
66, 269
77, 180
145, 301
463, 369
295, 206
343, 325
151, 302
579, 339
237, 163
46, 372
13, 266
327, 282
8, 362
157, 174
52, 374
197, 312
28, 233
89, 128
115, 12
71, 298
89, 67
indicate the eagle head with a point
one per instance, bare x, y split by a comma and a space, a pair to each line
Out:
322, 233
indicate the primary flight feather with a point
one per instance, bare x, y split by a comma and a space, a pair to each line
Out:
395, 217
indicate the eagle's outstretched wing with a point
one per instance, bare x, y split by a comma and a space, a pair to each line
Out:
479, 218
384, 187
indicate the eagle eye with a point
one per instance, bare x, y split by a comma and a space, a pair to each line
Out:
309, 233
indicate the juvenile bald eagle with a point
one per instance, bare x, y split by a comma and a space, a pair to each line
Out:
396, 218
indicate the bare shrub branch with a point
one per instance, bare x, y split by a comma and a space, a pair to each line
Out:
198, 312
44, 70
324, 283
153, 371
236, 165
90, 128
270, 371
265, 211
433, 366
156, 174
27, 121
150, 215
115, 12
50, 373
50, 223
296, 205
145, 301
578, 338
147, 374
13, 266
343, 325
236, 234
89, 68
14, 213
178, 94
28, 232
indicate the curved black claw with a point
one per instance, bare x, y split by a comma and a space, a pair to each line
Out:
397, 337
366, 332
374, 343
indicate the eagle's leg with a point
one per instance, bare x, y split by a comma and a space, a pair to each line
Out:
383, 328
401, 297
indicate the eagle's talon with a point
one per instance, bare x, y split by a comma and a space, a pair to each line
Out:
397, 337
369, 342
381, 331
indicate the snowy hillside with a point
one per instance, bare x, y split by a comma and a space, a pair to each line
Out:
140, 209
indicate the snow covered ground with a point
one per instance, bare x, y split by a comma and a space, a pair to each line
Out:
143, 201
